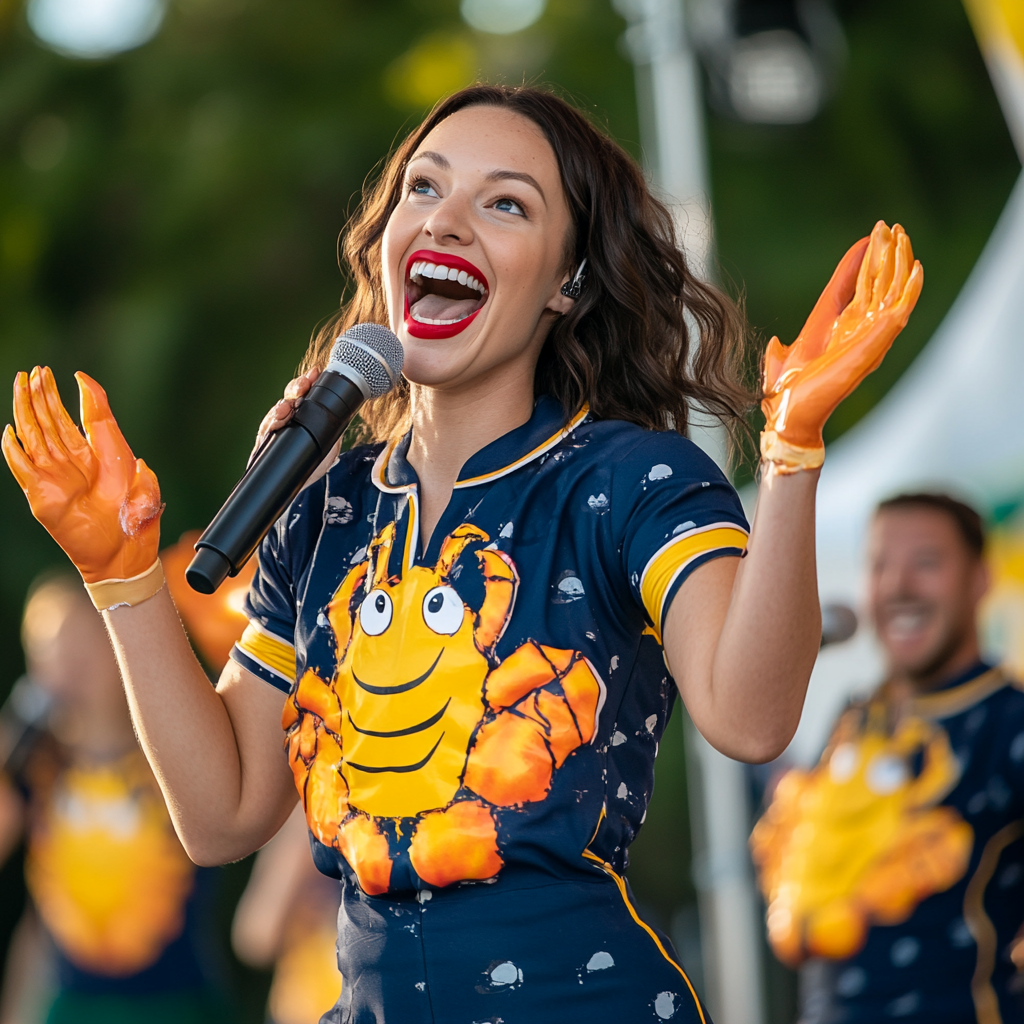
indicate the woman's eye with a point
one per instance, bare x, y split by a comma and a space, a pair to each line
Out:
422, 188
510, 206
443, 610
375, 613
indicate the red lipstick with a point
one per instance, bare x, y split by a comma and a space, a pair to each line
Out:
436, 331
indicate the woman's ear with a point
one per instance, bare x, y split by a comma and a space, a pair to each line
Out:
560, 303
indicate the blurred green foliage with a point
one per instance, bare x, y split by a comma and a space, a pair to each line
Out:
169, 218
914, 135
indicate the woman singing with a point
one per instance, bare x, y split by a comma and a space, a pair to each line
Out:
470, 622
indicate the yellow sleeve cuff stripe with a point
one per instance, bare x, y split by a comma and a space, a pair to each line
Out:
273, 653
665, 566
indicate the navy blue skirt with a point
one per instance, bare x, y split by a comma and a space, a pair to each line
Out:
527, 949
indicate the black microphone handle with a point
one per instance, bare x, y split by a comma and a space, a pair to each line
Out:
271, 483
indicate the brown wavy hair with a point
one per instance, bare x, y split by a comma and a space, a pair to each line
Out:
646, 342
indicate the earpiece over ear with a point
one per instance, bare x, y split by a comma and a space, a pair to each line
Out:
574, 289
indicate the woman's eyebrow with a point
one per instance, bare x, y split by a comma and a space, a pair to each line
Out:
436, 158
500, 175
529, 179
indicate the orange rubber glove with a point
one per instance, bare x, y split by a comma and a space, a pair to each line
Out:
863, 307
97, 501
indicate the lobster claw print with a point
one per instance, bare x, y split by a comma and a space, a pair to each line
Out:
422, 726
861, 839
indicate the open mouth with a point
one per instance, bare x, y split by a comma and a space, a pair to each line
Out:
443, 294
906, 623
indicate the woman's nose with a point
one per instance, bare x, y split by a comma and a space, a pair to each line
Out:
450, 222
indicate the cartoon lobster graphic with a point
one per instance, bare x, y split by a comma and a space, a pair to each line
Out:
862, 838
422, 721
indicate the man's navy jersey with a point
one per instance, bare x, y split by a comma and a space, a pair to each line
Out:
487, 709
949, 963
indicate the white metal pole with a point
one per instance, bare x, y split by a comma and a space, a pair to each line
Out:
671, 116
673, 139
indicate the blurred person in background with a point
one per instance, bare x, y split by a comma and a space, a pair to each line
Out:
288, 919
894, 870
463, 626
117, 907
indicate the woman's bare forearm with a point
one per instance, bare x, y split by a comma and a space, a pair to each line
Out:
215, 752
742, 638
774, 620
742, 635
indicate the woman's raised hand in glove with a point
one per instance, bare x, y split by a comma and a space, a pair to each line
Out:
864, 306
97, 501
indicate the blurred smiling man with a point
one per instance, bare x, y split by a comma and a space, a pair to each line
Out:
927, 577
894, 870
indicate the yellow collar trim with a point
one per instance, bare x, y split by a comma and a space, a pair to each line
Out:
379, 473
947, 703
529, 456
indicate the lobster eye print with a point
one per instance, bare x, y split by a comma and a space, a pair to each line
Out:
443, 610
375, 613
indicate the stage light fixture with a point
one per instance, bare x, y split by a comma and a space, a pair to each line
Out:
501, 17
769, 61
95, 29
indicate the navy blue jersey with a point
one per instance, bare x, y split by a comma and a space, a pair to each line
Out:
949, 962
486, 709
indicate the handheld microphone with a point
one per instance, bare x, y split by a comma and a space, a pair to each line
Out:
366, 363
838, 623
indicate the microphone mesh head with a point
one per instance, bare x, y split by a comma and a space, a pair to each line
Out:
374, 353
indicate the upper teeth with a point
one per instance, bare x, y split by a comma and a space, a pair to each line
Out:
439, 272
906, 622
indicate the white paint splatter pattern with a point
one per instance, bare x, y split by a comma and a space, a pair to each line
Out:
600, 961
338, 511
506, 973
665, 1005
